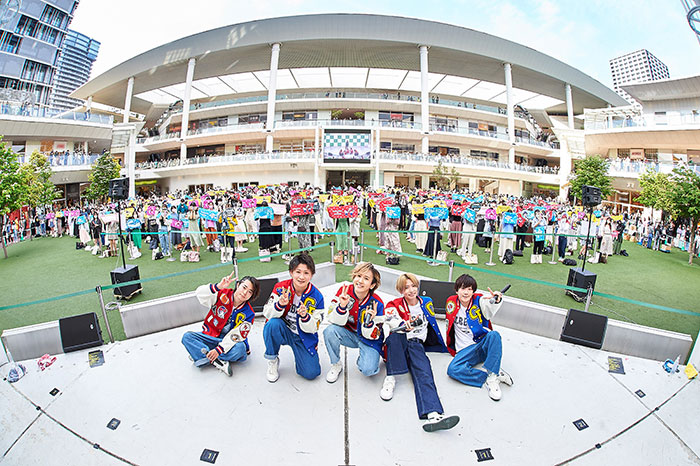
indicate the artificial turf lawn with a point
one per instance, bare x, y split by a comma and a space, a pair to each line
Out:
47, 267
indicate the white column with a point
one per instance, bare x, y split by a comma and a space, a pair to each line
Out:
127, 100
564, 168
376, 157
85, 147
130, 156
425, 181
569, 106
610, 119
317, 178
272, 95
473, 184
88, 104
424, 104
186, 109
509, 111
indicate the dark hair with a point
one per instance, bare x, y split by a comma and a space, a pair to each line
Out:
253, 281
465, 281
302, 259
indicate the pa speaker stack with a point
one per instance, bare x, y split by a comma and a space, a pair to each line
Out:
122, 275
580, 279
590, 196
119, 188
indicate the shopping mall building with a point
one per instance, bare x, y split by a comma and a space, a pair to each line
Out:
351, 99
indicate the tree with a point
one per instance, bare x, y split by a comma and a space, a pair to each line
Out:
684, 196
591, 171
40, 190
13, 185
445, 179
104, 169
655, 192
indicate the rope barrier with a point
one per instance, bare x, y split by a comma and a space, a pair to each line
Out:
474, 233
539, 282
161, 277
204, 232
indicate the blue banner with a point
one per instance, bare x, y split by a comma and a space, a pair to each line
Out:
440, 212
264, 212
393, 212
208, 214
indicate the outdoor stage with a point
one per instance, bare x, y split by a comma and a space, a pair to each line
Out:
171, 411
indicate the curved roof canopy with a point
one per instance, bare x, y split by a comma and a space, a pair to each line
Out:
348, 51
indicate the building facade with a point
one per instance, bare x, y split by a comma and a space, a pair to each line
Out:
636, 67
78, 54
29, 51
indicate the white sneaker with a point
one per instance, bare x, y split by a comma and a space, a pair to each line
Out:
439, 422
223, 366
241, 249
504, 377
334, 372
493, 385
387, 392
272, 370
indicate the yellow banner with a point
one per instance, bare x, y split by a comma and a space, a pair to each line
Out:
338, 199
303, 194
323, 197
371, 202
418, 209
617, 218
129, 212
503, 208
260, 199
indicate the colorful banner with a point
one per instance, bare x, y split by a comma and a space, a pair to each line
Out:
264, 212
418, 209
208, 214
323, 197
384, 203
491, 214
470, 215
339, 200
248, 203
510, 218
151, 210
343, 211
260, 199
440, 212
393, 212
279, 209
297, 210
458, 209
503, 208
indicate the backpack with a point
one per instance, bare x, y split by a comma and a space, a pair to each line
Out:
508, 257
517, 253
569, 262
547, 250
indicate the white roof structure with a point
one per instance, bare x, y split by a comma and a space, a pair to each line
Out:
347, 51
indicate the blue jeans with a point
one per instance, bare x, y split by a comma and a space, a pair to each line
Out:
411, 228
335, 335
275, 334
404, 356
164, 240
562, 246
488, 350
199, 344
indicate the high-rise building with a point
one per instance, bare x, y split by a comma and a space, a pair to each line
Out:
78, 54
636, 67
29, 51
692, 14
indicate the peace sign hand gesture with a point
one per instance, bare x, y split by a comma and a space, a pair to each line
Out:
226, 281
344, 297
495, 294
284, 298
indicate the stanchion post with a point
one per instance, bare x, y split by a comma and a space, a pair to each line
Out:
332, 245
589, 294
553, 250
452, 267
493, 245
351, 246
235, 267
104, 312
362, 248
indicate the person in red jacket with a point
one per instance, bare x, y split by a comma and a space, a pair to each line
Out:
224, 335
414, 331
470, 338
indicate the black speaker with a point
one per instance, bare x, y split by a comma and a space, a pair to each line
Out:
590, 196
266, 287
119, 188
438, 292
123, 275
80, 332
584, 328
580, 279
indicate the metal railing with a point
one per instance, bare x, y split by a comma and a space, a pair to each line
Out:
466, 160
226, 158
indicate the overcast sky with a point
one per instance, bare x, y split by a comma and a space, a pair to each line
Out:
582, 33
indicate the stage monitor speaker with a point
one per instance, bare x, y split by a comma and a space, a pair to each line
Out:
80, 332
438, 291
580, 279
584, 328
590, 196
266, 287
123, 275
119, 188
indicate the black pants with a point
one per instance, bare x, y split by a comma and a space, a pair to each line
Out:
539, 247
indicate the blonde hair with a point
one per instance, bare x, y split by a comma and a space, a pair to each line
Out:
363, 267
401, 281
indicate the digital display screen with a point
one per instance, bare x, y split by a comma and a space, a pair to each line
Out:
347, 146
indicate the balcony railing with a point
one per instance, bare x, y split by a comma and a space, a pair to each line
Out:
644, 121
38, 111
64, 160
227, 158
622, 167
465, 160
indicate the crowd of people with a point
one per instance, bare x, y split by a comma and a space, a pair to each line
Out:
229, 222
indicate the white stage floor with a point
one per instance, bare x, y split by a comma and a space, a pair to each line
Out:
170, 411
